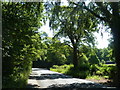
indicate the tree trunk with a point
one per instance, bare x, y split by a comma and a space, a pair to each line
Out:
115, 27
75, 59
117, 58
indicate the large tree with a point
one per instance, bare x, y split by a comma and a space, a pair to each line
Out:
109, 14
73, 23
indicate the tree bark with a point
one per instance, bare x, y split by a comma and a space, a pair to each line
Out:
115, 27
117, 58
75, 59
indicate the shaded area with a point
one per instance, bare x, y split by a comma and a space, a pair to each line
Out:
76, 86
49, 76
47, 80
32, 86
109, 83
41, 64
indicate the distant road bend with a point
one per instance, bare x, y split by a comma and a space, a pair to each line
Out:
43, 78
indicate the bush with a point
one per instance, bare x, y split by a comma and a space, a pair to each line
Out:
92, 69
61, 69
94, 77
103, 70
18, 79
77, 73
85, 70
15, 81
81, 72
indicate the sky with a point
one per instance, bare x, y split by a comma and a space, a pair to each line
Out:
102, 40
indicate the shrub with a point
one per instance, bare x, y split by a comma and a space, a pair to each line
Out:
61, 69
93, 68
77, 73
17, 79
81, 72
94, 77
103, 70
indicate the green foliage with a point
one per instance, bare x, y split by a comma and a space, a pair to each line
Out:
93, 59
20, 22
61, 69
16, 80
80, 72
56, 52
103, 70
75, 24
96, 77
83, 60
86, 71
93, 69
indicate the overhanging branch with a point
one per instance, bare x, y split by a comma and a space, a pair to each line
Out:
104, 10
92, 12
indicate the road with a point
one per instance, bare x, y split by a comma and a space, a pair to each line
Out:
43, 78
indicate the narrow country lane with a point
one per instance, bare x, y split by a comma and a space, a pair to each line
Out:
43, 78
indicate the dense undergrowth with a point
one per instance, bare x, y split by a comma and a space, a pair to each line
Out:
20, 41
85, 71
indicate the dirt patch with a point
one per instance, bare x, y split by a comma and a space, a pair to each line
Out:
99, 81
102, 81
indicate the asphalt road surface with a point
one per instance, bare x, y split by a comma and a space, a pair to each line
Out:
43, 78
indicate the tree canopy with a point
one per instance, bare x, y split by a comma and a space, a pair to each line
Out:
23, 43
73, 22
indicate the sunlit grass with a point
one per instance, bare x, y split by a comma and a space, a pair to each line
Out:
96, 77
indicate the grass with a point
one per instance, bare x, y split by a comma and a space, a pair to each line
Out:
96, 77
61, 69
70, 70
106, 77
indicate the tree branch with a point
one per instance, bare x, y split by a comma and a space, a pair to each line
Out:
104, 10
92, 12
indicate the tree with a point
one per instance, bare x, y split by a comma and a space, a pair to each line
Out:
57, 52
91, 54
20, 21
73, 23
108, 13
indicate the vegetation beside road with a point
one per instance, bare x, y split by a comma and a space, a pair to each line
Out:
20, 22
77, 55
93, 72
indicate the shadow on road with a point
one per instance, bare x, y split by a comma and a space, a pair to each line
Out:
32, 86
73, 86
49, 76
76, 86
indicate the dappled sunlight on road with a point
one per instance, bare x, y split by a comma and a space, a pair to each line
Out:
43, 78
